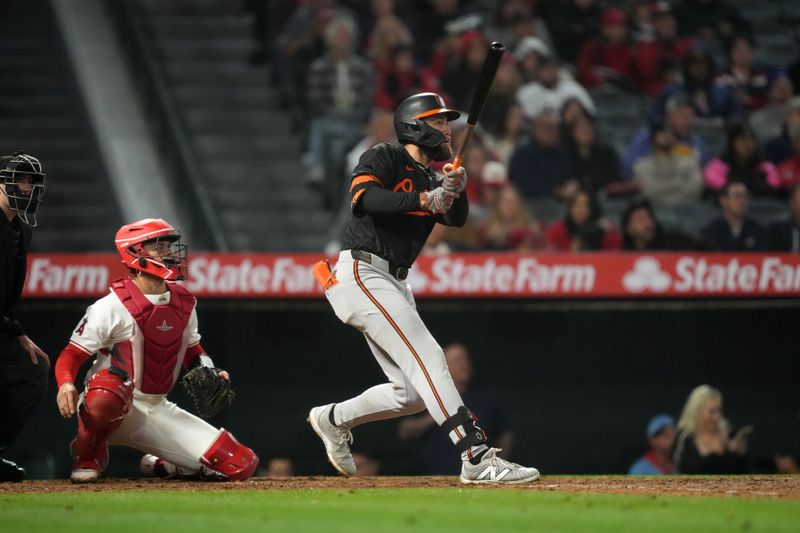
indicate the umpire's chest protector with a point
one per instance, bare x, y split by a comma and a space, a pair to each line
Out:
155, 352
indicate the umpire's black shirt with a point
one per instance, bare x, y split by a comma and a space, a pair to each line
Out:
15, 239
387, 219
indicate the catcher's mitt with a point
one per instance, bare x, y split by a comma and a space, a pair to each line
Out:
209, 391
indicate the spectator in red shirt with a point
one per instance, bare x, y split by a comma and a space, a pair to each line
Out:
608, 60
789, 170
583, 228
401, 79
658, 61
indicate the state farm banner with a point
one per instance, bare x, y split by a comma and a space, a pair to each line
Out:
467, 275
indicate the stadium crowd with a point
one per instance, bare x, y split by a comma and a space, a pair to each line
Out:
629, 124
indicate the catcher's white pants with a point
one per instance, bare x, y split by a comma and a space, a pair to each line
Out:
157, 426
383, 308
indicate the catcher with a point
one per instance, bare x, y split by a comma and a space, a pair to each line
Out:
142, 333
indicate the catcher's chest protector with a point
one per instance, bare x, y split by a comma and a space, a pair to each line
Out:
155, 361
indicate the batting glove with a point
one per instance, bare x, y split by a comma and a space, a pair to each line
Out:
438, 201
455, 179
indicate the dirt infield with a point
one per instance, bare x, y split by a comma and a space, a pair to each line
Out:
782, 487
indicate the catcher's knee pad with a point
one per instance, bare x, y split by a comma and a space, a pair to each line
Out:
466, 423
230, 458
108, 399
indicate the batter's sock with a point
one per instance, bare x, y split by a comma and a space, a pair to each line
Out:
476, 457
331, 417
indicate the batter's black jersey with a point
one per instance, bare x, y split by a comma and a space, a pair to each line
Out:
399, 235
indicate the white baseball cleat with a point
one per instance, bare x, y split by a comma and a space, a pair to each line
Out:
337, 441
494, 469
84, 475
152, 466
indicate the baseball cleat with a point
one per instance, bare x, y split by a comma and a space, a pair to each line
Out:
494, 469
84, 475
152, 466
337, 441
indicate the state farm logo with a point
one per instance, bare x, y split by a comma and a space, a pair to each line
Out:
646, 275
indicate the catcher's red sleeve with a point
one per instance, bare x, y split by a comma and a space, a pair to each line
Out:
69, 362
192, 352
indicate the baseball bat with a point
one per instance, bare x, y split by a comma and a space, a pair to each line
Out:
485, 80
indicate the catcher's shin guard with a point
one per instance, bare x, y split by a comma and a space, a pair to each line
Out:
228, 457
108, 399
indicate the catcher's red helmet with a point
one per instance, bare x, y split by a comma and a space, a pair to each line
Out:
130, 241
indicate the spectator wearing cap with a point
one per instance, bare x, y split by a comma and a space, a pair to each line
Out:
741, 161
493, 178
542, 166
668, 176
529, 54
749, 81
680, 120
553, 87
658, 60
658, 458
713, 101
608, 60
733, 230
596, 163
641, 231
767, 122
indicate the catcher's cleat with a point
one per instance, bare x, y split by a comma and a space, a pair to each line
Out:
337, 441
84, 475
86, 470
493, 469
152, 466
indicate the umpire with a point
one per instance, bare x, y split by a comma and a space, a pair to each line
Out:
23, 365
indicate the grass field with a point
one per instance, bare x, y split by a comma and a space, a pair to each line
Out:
385, 509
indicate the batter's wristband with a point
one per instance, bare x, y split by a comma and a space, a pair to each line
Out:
423, 201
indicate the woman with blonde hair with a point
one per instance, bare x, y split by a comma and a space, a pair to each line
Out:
704, 444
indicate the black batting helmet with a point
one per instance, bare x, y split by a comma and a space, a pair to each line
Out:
409, 127
25, 183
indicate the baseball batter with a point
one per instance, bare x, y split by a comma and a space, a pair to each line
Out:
396, 200
143, 332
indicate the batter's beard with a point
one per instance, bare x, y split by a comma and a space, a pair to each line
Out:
440, 153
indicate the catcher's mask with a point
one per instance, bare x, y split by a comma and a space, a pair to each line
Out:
408, 123
136, 241
25, 183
